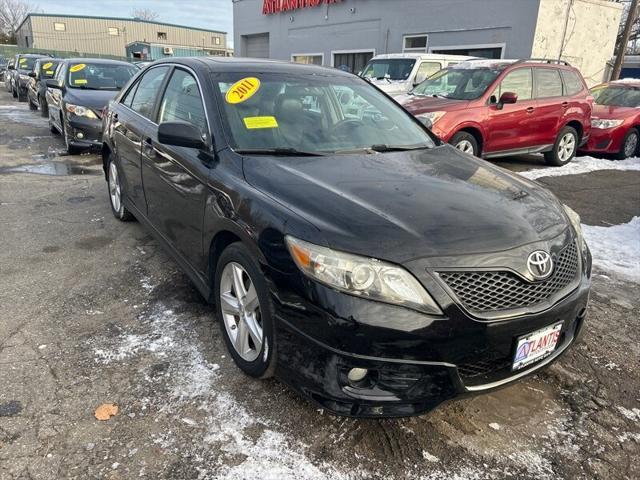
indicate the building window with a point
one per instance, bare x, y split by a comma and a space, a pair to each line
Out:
308, 59
484, 51
215, 40
59, 27
162, 35
353, 62
415, 43
114, 31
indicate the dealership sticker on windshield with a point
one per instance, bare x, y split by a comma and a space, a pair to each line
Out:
49, 72
46, 66
260, 122
80, 81
536, 345
242, 90
77, 68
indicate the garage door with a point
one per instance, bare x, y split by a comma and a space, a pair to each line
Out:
256, 46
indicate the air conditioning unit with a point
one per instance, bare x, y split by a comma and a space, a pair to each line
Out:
168, 51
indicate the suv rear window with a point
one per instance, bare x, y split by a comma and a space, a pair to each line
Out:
548, 82
572, 82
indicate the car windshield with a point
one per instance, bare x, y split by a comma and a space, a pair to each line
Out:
618, 96
48, 68
26, 63
458, 83
100, 76
393, 69
314, 114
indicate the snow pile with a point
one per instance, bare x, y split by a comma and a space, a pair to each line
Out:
583, 165
616, 249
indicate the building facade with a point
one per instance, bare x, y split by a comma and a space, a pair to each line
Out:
346, 33
110, 36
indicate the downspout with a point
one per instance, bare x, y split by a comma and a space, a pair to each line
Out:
564, 31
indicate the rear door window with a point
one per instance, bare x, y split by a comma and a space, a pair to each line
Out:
572, 82
147, 90
548, 82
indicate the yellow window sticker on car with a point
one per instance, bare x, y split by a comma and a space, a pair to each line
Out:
242, 90
49, 72
80, 81
47, 65
77, 68
260, 122
23, 60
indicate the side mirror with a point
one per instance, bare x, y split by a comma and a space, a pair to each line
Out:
181, 134
51, 83
506, 98
10, 67
32, 74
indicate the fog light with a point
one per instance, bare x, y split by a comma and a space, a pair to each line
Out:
80, 135
356, 375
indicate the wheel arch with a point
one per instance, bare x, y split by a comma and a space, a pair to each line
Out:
578, 127
474, 130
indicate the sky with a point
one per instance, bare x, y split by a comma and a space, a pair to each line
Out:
211, 14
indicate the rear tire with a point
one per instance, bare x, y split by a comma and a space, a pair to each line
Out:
44, 108
115, 192
465, 142
565, 148
240, 284
22, 97
32, 106
14, 93
629, 145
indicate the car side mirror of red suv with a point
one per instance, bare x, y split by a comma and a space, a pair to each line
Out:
505, 98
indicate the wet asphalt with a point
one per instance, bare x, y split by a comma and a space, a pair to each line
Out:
92, 311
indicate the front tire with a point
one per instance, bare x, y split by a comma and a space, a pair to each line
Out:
32, 106
466, 143
244, 311
629, 145
565, 148
115, 192
44, 108
71, 149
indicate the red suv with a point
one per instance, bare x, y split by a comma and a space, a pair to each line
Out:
493, 108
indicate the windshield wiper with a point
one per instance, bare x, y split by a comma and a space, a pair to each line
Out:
395, 148
281, 151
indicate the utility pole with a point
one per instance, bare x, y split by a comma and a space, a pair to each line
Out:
631, 18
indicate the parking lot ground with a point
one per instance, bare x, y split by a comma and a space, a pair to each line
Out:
92, 311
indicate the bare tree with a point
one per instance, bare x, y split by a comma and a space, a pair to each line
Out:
12, 12
143, 14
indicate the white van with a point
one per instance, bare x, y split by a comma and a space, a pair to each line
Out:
397, 73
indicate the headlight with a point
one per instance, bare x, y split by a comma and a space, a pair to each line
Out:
80, 111
430, 118
574, 218
361, 276
604, 124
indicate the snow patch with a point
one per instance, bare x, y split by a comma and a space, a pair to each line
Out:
616, 249
429, 457
631, 414
583, 165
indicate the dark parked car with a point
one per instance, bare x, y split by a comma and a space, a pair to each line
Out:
8, 72
494, 108
615, 126
44, 69
3, 68
81, 88
374, 269
22, 66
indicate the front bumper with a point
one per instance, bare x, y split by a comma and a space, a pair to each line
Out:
415, 361
84, 132
605, 140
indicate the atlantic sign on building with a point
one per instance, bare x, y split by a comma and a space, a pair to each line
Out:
277, 6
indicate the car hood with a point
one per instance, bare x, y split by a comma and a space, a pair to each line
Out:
408, 205
392, 87
421, 104
614, 112
94, 99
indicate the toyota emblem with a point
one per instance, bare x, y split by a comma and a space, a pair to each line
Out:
540, 264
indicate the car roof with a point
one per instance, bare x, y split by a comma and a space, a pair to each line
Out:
95, 60
253, 65
426, 56
31, 55
631, 82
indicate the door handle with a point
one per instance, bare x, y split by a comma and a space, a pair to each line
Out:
530, 110
147, 147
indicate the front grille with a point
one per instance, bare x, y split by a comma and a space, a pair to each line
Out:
483, 367
490, 291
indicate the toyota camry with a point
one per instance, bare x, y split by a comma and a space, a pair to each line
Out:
373, 268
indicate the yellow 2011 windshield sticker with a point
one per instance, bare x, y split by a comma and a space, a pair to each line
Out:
80, 81
242, 90
260, 122
47, 66
77, 68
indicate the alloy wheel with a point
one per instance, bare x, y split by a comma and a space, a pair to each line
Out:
566, 147
630, 145
241, 311
465, 146
114, 187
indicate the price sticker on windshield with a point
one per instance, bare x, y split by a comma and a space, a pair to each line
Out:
242, 90
77, 68
80, 81
253, 123
47, 66
23, 60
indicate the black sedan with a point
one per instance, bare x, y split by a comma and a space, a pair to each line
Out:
19, 74
44, 69
76, 95
374, 269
